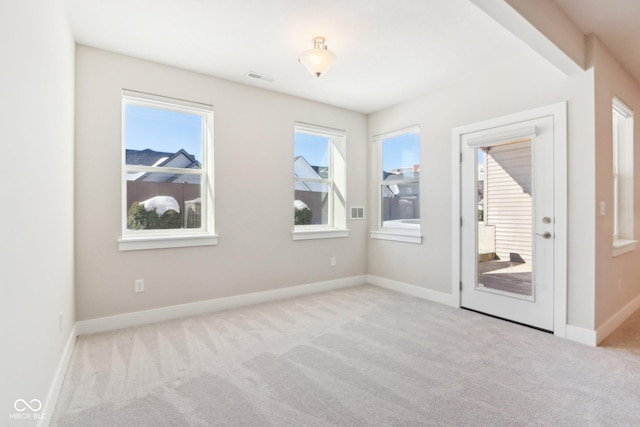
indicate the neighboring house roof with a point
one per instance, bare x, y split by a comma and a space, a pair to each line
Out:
302, 169
147, 157
395, 184
322, 171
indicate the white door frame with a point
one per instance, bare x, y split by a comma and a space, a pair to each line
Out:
559, 113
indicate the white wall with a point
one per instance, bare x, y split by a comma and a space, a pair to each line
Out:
617, 279
36, 133
254, 193
520, 84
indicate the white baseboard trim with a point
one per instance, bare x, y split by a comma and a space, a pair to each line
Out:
54, 390
137, 318
413, 290
581, 335
617, 319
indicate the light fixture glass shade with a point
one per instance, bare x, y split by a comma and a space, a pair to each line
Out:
318, 60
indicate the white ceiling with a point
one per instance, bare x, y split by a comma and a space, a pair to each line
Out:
388, 51
615, 22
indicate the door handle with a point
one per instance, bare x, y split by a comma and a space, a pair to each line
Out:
545, 235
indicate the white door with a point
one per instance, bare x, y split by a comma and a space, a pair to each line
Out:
507, 229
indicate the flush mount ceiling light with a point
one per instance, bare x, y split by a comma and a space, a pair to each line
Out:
319, 59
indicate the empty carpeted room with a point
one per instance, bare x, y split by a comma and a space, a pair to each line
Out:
349, 213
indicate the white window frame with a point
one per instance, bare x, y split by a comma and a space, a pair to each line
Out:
336, 182
173, 238
622, 150
405, 233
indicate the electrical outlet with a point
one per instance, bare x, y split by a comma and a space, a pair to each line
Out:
333, 261
139, 285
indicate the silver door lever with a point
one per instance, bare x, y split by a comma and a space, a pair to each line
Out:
545, 235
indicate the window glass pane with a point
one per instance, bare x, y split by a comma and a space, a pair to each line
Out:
155, 204
314, 149
158, 137
401, 181
623, 170
401, 156
167, 178
311, 165
616, 202
311, 205
400, 211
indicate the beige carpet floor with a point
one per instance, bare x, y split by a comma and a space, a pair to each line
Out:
361, 356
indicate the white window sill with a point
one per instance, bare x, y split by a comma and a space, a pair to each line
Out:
164, 242
623, 246
327, 233
398, 235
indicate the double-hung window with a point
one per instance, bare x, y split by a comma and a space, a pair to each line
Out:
622, 121
398, 185
167, 191
319, 175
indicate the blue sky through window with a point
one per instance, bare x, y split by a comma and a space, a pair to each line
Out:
163, 130
314, 148
402, 151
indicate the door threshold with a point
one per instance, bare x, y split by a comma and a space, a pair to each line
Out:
508, 320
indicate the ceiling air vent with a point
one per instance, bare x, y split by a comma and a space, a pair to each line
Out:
357, 213
259, 76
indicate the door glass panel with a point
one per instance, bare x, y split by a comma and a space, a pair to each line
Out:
504, 206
